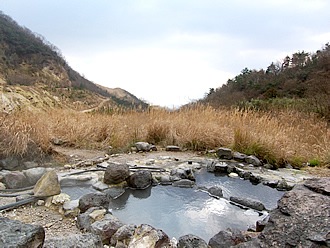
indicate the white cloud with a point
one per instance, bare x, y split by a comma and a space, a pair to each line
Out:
169, 52
162, 76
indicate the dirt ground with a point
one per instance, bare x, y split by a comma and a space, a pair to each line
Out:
57, 225
54, 223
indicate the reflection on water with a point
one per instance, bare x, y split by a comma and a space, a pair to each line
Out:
181, 211
240, 187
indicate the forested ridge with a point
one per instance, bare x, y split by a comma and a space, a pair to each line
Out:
300, 81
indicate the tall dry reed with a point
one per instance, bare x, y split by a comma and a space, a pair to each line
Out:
276, 137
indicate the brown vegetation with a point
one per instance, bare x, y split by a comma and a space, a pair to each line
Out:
275, 137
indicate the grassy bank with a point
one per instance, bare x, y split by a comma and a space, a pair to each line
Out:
276, 137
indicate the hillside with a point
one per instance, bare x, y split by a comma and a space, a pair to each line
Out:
300, 81
33, 73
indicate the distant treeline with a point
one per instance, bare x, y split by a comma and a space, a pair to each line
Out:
300, 81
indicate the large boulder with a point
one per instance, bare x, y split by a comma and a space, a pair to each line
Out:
93, 200
227, 238
147, 236
14, 179
116, 173
301, 219
140, 179
14, 233
47, 185
86, 240
191, 241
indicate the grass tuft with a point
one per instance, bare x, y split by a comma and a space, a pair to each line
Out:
276, 137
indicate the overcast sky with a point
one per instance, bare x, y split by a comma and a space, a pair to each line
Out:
170, 52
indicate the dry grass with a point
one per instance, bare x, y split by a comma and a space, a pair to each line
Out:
281, 137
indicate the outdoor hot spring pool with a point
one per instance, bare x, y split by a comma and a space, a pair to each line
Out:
181, 211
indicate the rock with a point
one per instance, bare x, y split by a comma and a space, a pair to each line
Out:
84, 220
254, 204
100, 186
272, 183
165, 180
231, 168
116, 173
253, 160
34, 174
147, 236
224, 153
30, 164
14, 179
106, 227
239, 157
227, 238
140, 179
57, 141
93, 200
210, 166
215, 191
318, 185
246, 175
221, 167
254, 179
60, 199
47, 185
301, 219
283, 185
182, 173
98, 214
114, 192
76, 180
123, 236
242, 173
260, 225
172, 149
233, 174
191, 241
14, 233
71, 209
143, 146
269, 167
2, 186
183, 183
10, 163
86, 240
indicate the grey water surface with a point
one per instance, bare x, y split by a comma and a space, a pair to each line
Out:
181, 211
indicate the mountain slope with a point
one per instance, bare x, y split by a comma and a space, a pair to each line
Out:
301, 81
34, 73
